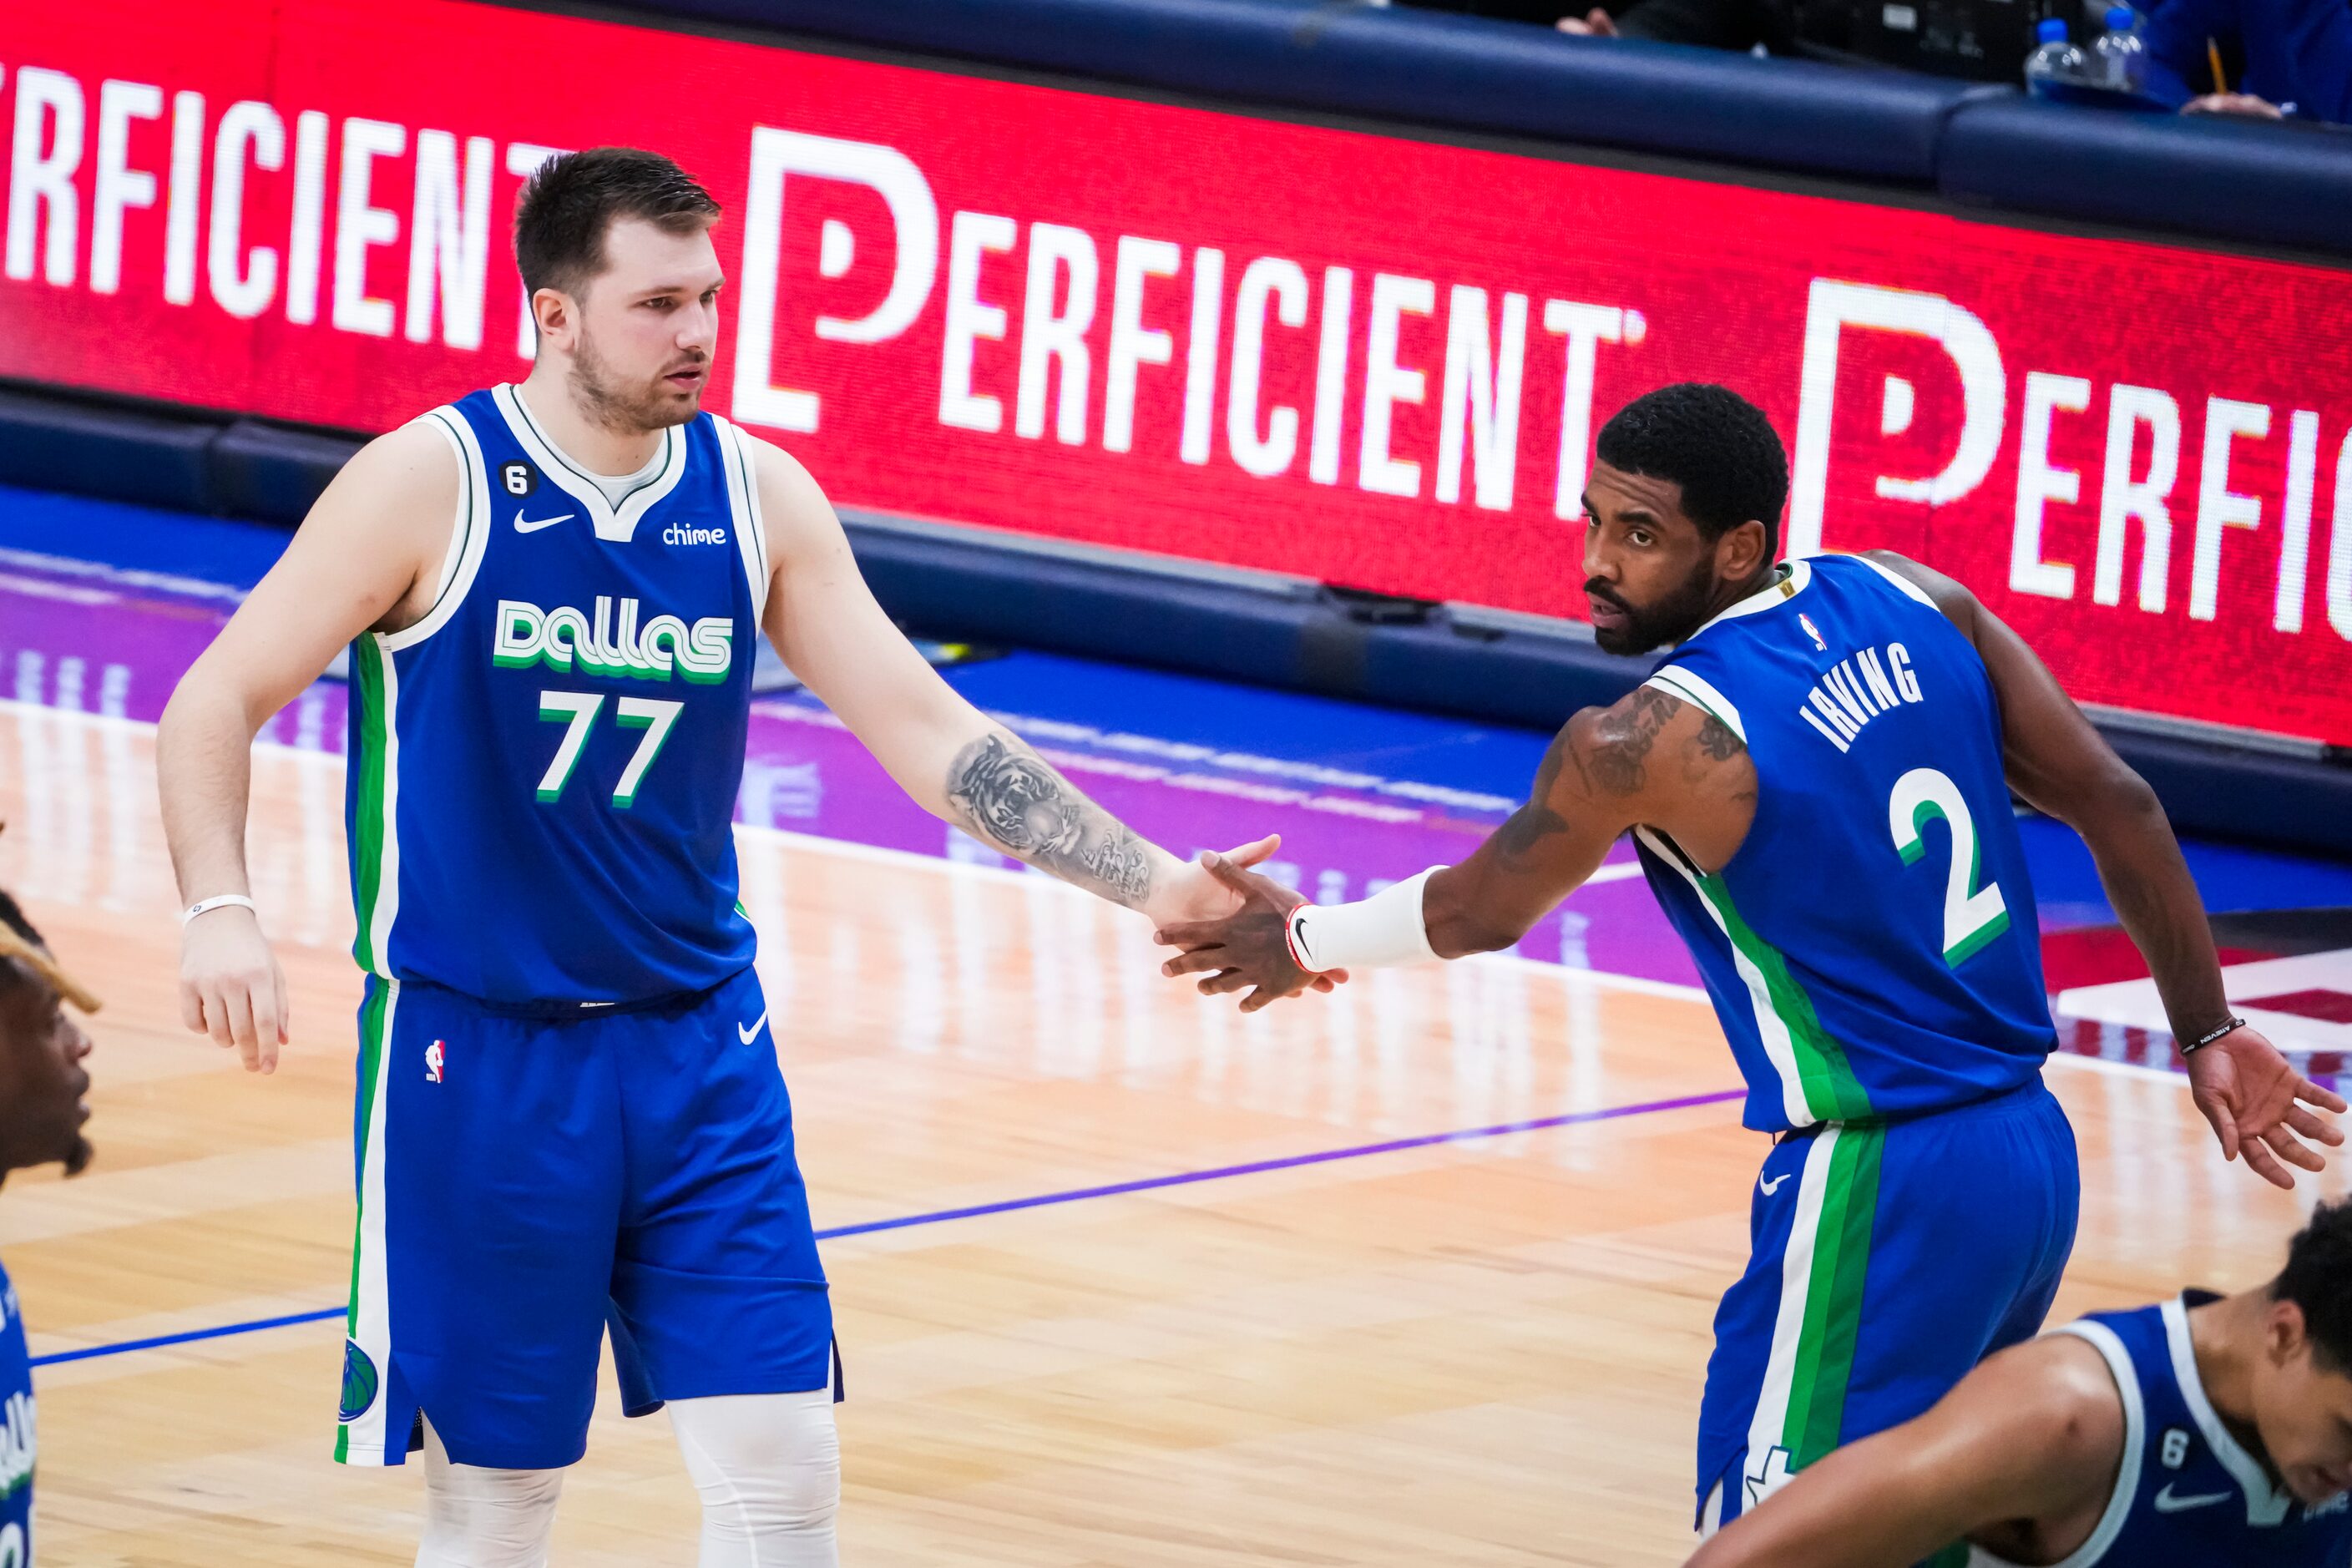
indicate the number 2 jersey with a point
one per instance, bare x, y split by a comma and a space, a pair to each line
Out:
2187, 1493
1871, 949
543, 770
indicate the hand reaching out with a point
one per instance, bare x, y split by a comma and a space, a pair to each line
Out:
2261, 1107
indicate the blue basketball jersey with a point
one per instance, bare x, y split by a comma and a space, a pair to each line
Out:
2188, 1494
1871, 949
19, 1438
543, 770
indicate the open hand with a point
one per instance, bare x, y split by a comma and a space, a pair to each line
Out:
1246, 948
2261, 1107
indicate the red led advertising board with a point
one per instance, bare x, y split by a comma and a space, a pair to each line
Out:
1364, 359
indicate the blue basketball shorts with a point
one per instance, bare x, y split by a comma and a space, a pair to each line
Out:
19, 1437
526, 1185
1887, 1259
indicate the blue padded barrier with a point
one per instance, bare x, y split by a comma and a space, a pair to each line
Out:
50, 444
1429, 67
271, 474
2206, 175
2255, 796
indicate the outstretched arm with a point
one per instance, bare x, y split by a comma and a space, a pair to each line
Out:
2063, 768
951, 759
2032, 1438
1650, 758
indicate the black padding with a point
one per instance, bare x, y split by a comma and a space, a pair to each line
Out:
272, 474
49, 443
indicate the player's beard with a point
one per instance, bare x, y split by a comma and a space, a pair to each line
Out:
621, 406
1651, 626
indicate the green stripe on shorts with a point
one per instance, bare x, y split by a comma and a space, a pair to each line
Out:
372, 1044
1825, 1344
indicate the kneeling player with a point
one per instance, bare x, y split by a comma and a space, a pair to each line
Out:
2206, 1432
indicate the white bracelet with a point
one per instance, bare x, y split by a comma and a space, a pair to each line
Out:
1386, 928
217, 901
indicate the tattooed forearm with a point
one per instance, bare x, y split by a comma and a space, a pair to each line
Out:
1007, 796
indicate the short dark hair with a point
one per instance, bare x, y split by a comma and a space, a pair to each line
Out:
571, 204
1715, 444
2318, 1278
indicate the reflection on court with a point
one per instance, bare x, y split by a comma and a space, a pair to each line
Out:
1477, 1353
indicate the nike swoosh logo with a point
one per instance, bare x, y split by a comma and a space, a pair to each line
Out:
2167, 1503
1773, 1185
532, 525
749, 1032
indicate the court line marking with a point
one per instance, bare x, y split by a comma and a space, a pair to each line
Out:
1039, 1200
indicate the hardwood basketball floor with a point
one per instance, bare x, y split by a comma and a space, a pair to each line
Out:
1485, 1351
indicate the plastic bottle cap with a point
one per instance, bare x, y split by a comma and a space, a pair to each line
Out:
2051, 31
2121, 17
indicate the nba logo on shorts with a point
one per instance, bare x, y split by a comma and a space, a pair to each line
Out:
433, 1059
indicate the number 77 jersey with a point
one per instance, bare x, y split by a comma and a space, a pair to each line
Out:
1872, 949
543, 769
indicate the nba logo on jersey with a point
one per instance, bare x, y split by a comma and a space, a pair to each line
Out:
1811, 630
433, 1059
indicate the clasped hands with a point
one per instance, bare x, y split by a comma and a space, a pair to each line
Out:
1245, 946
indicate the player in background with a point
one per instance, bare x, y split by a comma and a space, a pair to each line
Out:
2209, 1431
42, 1111
1818, 782
570, 1112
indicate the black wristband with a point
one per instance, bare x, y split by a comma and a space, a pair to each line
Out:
2201, 1041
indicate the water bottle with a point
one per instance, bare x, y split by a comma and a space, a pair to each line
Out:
2056, 60
2119, 57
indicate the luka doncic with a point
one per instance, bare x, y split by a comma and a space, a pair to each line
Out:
571, 1122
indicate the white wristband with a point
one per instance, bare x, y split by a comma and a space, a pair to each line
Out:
1386, 928
217, 901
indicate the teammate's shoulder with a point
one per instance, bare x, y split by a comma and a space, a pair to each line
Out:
409, 461
2059, 1393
